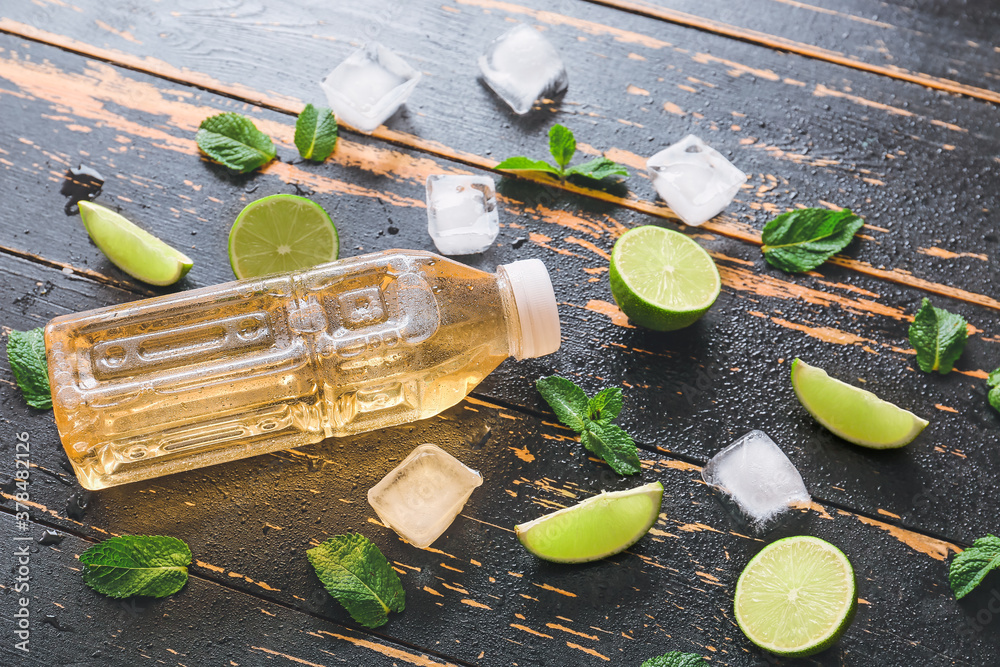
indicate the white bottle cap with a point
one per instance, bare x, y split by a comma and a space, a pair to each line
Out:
536, 307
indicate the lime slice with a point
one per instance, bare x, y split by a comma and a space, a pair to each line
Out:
133, 250
596, 528
854, 414
662, 279
796, 597
281, 233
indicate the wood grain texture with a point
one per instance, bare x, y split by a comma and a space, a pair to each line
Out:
943, 46
689, 393
122, 86
476, 595
204, 624
821, 135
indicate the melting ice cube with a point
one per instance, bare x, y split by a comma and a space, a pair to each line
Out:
369, 86
462, 213
757, 476
695, 180
521, 66
422, 495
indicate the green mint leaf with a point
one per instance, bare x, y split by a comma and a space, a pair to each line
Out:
599, 168
993, 381
354, 571
519, 164
234, 141
612, 444
677, 659
801, 240
26, 353
568, 401
315, 133
562, 145
971, 566
606, 405
938, 337
137, 565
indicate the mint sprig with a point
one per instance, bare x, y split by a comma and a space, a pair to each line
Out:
969, 568
234, 141
993, 382
676, 659
592, 419
801, 240
315, 133
26, 354
130, 565
562, 146
938, 336
355, 572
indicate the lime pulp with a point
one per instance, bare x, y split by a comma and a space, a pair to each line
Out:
598, 527
281, 233
854, 414
662, 279
796, 597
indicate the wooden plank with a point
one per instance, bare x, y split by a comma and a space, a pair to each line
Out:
852, 139
910, 41
688, 392
203, 624
476, 595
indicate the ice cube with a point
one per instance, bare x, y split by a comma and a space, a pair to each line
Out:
369, 86
462, 213
757, 476
521, 66
695, 180
422, 495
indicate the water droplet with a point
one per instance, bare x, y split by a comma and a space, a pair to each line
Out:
50, 537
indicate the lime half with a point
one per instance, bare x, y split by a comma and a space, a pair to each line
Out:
596, 528
854, 414
662, 279
281, 233
796, 597
132, 249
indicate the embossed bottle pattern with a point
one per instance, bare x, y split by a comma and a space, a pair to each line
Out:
220, 373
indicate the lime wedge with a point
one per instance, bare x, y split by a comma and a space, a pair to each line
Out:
854, 414
796, 597
662, 279
133, 250
281, 233
596, 528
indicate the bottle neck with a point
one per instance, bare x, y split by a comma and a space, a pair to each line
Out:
530, 309
510, 314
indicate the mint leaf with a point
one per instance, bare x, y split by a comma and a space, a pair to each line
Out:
517, 164
315, 133
801, 240
234, 141
26, 354
592, 420
612, 444
597, 169
971, 566
136, 565
606, 405
993, 382
568, 401
562, 145
938, 337
354, 571
677, 659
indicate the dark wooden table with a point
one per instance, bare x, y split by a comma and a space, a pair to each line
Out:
889, 108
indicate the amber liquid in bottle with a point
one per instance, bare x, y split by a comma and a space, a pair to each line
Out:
220, 373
